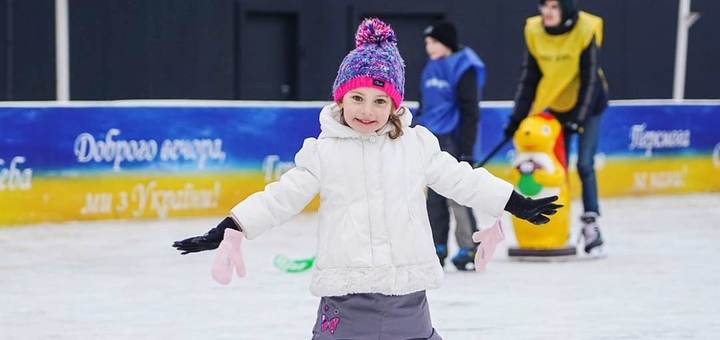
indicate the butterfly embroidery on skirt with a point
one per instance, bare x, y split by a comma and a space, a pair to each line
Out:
329, 324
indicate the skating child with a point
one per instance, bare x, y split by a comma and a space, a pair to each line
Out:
450, 87
375, 251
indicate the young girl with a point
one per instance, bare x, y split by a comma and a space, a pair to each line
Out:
375, 251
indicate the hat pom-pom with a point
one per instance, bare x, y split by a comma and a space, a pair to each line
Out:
374, 31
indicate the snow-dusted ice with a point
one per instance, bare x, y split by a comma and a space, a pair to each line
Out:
123, 280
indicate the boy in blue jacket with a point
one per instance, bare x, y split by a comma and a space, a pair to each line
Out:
450, 89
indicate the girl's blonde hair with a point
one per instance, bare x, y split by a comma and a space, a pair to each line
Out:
394, 119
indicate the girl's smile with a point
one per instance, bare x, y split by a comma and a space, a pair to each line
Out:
366, 109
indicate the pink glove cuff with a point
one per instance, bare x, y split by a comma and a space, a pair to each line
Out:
233, 236
494, 234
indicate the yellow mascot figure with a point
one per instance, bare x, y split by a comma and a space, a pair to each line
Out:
539, 169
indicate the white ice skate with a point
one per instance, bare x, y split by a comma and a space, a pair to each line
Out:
592, 237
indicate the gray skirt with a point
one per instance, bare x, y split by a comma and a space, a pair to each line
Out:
374, 316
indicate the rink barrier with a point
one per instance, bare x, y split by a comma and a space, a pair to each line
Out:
164, 159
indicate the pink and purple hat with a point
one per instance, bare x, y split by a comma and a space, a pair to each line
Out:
375, 62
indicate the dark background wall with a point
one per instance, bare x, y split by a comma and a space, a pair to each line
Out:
27, 50
290, 50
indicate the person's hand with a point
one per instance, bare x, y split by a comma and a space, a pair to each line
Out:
211, 239
531, 210
228, 257
572, 126
511, 127
488, 239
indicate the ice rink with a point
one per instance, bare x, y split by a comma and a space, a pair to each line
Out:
123, 280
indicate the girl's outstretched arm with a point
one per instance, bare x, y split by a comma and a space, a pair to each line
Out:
265, 209
282, 199
475, 188
478, 188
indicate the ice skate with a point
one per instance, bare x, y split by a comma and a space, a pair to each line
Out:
592, 236
465, 259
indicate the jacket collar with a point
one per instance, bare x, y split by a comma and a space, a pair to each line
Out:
331, 126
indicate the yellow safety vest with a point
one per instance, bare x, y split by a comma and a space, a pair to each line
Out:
558, 57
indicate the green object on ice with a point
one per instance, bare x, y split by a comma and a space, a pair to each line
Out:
289, 265
528, 186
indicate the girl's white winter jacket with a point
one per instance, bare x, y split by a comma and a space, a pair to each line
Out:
374, 235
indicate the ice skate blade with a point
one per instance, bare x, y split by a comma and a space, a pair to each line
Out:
596, 253
469, 267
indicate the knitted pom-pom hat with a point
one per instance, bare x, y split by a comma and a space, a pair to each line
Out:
375, 62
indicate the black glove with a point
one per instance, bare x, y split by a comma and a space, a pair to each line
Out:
532, 210
572, 126
211, 239
511, 127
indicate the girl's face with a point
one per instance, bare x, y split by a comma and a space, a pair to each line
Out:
435, 49
366, 109
551, 13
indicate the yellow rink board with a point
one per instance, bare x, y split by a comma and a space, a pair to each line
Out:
125, 196
651, 176
160, 196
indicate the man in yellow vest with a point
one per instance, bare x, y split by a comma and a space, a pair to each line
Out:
562, 75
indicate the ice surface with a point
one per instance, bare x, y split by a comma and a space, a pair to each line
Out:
122, 280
